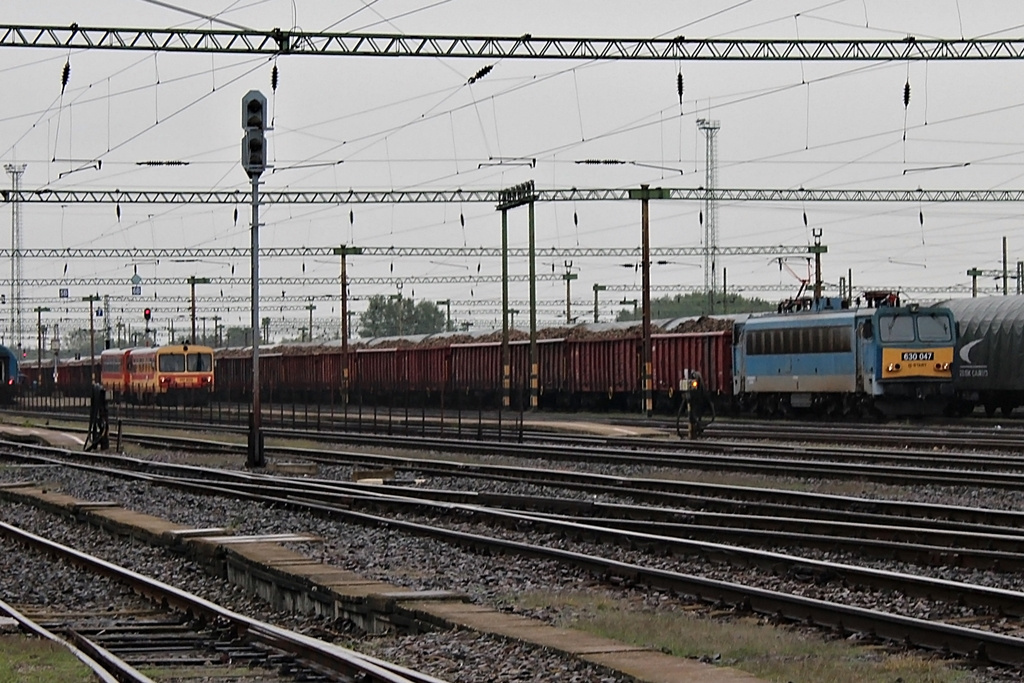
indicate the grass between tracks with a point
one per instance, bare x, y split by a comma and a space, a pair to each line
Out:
33, 660
772, 653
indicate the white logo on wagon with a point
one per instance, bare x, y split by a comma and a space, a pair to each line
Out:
965, 352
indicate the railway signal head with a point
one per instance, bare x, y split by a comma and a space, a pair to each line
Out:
254, 110
254, 142
147, 314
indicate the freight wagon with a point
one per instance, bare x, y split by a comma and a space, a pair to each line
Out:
574, 372
882, 357
988, 368
64, 377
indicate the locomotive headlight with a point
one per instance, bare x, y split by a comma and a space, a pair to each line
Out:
894, 367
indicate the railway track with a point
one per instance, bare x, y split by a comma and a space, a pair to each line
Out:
187, 634
930, 463
898, 466
359, 504
117, 646
551, 428
665, 502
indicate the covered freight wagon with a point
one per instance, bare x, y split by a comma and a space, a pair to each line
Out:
988, 367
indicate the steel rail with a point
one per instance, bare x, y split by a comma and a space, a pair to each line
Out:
757, 460
733, 456
720, 437
727, 456
989, 548
335, 657
100, 662
946, 435
961, 549
124, 671
668, 453
688, 496
928, 634
280, 490
998, 648
299, 492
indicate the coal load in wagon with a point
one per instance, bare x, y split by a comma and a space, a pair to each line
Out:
703, 324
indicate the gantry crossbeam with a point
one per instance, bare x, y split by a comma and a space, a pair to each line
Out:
287, 281
279, 42
465, 252
267, 197
947, 289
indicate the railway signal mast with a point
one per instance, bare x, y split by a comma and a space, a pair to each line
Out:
254, 162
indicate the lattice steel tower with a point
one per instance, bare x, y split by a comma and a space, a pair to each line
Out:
710, 130
16, 171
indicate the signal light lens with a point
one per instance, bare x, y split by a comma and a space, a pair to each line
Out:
147, 314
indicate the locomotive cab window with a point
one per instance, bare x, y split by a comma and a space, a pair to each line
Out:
896, 328
172, 362
199, 362
934, 328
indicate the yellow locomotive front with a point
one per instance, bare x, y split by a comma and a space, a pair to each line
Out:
916, 343
176, 374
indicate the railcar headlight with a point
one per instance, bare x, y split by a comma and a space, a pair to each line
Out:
894, 367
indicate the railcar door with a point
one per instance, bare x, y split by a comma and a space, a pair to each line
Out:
869, 354
739, 361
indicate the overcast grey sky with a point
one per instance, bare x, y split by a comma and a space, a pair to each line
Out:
416, 123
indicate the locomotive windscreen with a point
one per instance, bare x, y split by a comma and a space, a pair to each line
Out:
934, 328
180, 362
896, 328
172, 362
199, 362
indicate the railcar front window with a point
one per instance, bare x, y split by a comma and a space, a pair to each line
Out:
172, 362
934, 328
896, 328
199, 362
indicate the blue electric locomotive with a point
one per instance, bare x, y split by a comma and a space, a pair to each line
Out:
8, 375
884, 358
